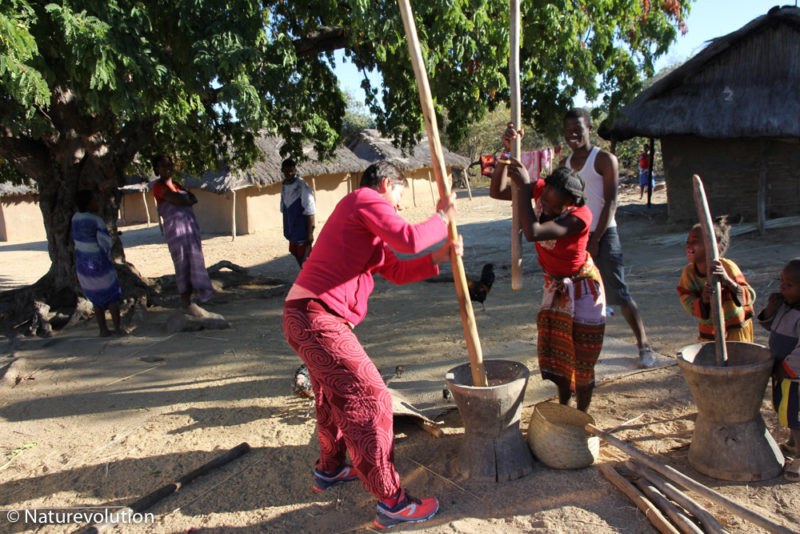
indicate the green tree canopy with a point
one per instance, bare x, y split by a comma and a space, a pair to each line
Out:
89, 84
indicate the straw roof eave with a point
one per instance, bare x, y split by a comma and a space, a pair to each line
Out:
267, 171
372, 146
690, 101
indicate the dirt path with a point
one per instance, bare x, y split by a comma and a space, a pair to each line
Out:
96, 424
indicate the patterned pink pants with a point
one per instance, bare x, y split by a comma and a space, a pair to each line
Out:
354, 407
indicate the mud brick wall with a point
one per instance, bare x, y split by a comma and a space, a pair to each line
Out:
730, 169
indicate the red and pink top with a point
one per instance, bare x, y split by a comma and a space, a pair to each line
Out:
159, 188
565, 256
355, 243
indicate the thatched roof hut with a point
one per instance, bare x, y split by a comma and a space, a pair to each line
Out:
247, 201
268, 171
416, 163
371, 146
17, 192
20, 215
730, 115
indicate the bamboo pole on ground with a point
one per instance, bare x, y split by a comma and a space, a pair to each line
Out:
650, 512
679, 518
712, 254
709, 522
516, 146
689, 483
152, 498
437, 160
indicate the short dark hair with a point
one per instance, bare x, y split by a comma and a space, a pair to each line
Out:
579, 113
376, 172
288, 163
794, 266
569, 183
721, 233
83, 198
158, 157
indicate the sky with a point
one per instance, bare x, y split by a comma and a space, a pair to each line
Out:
707, 19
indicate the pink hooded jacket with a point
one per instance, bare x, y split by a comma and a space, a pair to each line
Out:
354, 244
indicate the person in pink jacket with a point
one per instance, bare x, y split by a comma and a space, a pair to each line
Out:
329, 297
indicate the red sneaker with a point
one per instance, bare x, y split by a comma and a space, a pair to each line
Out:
407, 510
325, 481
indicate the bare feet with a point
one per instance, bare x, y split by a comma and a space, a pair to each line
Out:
195, 310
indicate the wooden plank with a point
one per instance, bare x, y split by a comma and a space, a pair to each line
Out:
689, 483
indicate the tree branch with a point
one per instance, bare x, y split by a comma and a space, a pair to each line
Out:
325, 39
129, 140
28, 156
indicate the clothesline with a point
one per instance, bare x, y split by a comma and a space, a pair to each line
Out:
536, 161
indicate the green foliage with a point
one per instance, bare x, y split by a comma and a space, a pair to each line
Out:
356, 117
483, 138
200, 80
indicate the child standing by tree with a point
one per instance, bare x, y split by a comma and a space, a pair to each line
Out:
571, 321
694, 287
93, 263
781, 317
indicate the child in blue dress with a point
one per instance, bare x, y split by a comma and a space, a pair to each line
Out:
93, 263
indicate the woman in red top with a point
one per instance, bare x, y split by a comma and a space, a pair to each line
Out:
183, 237
329, 297
571, 321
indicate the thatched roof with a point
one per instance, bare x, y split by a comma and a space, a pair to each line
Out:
263, 173
744, 84
268, 170
10, 191
371, 146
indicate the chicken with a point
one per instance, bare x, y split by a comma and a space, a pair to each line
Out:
302, 383
478, 290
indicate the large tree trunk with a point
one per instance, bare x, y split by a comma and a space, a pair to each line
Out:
57, 295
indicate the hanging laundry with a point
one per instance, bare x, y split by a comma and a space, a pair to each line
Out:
487, 165
530, 160
546, 159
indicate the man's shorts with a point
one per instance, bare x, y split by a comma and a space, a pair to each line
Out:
786, 401
612, 270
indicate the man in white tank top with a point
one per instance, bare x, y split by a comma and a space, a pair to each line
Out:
600, 171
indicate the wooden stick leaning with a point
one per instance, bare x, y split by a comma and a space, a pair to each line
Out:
712, 254
650, 511
679, 518
150, 499
689, 483
437, 158
516, 146
709, 522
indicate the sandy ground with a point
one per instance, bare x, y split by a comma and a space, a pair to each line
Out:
105, 422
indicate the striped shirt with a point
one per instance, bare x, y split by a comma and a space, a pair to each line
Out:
735, 314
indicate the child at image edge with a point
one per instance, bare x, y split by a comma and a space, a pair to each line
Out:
781, 317
695, 290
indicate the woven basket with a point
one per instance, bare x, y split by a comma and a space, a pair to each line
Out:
557, 437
